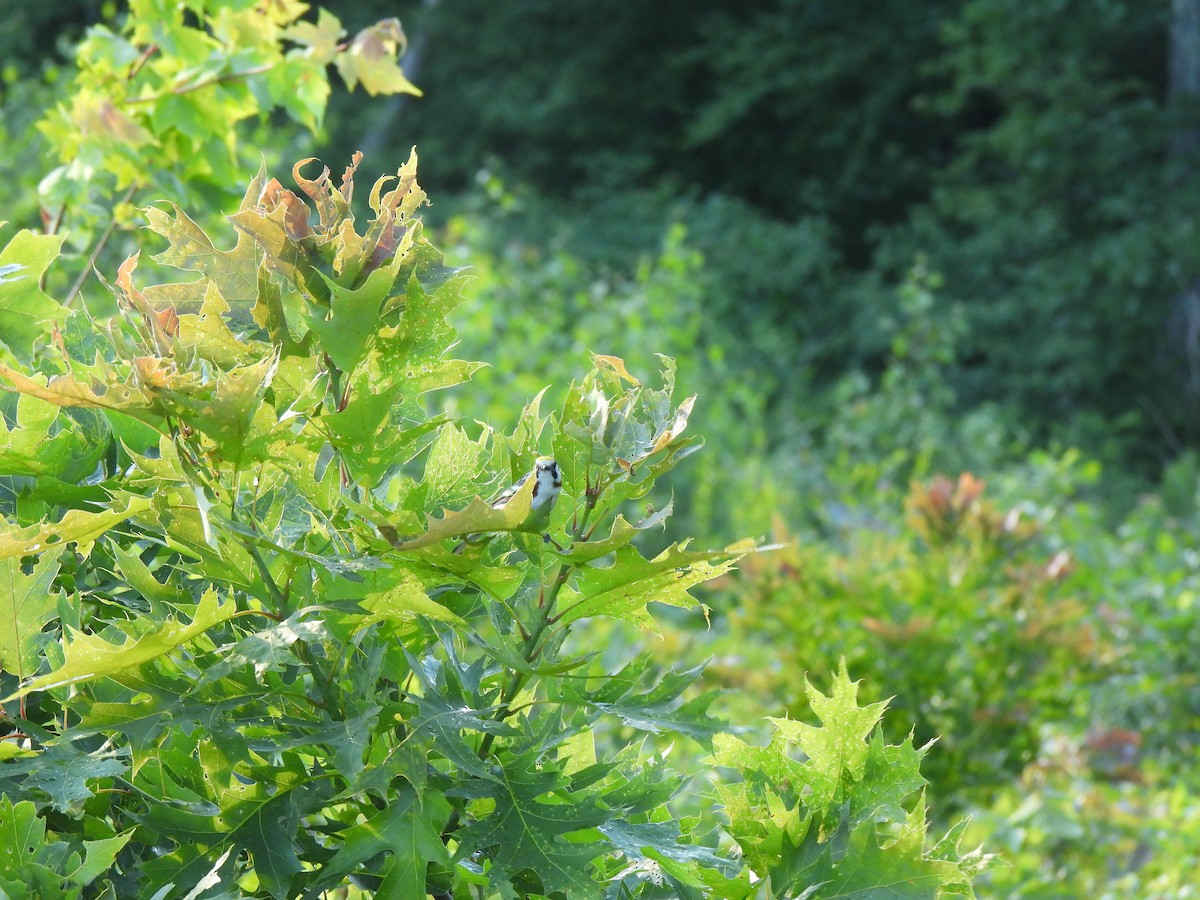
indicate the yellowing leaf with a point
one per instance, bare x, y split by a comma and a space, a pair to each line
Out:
89, 656
66, 390
479, 517
78, 526
676, 427
371, 59
320, 38
234, 272
616, 364
97, 116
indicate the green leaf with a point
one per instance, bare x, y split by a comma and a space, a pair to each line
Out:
650, 701
533, 814
620, 534
638, 840
408, 829
453, 465
98, 858
265, 650
139, 576
22, 838
404, 600
26, 312
836, 824
622, 590
59, 774
445, 711
347, 325
43, 444
265, 817
78, 526
837, 749
224, 409
27, 604
90, 656
893, 868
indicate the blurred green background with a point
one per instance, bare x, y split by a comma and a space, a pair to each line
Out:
933, 270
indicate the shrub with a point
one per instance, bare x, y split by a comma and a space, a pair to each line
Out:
243, 654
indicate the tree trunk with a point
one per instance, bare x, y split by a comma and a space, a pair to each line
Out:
378, 133
1184, 84
1183, 94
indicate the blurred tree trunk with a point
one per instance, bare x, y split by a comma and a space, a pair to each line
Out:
379, 132
1183, 92
1184, 84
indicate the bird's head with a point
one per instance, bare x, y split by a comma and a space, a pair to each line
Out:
549, 481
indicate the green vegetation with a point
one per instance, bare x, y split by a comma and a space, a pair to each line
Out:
918, 285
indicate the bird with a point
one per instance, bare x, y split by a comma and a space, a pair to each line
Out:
547, 486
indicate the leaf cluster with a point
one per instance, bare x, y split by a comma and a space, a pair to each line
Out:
241, 654
165, 99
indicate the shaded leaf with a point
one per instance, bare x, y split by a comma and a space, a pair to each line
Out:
533, 814
408, 829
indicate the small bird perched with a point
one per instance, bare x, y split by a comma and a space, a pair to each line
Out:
547, 486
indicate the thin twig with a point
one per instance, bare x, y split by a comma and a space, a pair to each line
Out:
203, 83
98, 249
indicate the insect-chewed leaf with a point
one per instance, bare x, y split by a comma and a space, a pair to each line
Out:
69, 391
678, 423
333, 204
41, 442
234, 272
78, 526
267, 227
26, 605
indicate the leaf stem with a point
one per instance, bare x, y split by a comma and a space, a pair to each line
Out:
532, 649
324, 688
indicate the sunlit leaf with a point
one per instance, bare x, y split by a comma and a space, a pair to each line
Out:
371, 59
77, 526
624, 587
27, 604
26, 313
90, 656
479, 517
